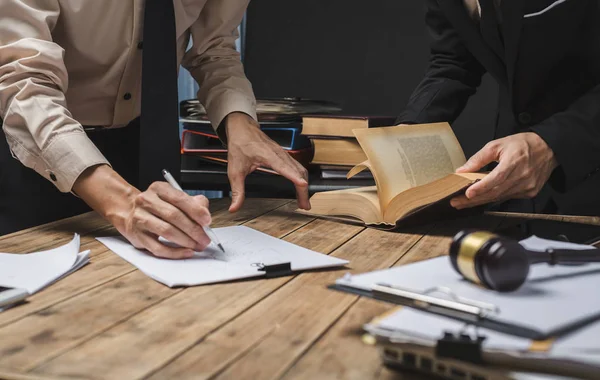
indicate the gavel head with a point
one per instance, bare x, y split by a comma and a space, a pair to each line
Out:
490, 260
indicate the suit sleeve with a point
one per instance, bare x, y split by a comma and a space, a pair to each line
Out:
452, 77
574, 137
216, 65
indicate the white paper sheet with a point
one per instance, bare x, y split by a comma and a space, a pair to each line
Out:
245, 251
35, 271
534, 243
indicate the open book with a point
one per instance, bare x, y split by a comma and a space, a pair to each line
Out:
413, 166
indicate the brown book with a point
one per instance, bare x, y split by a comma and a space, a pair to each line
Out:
341, 126
414, 169
338, 152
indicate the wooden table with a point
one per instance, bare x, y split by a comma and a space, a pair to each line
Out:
110, 321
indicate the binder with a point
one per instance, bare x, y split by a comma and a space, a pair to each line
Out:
462, 357
286, 135
412, 340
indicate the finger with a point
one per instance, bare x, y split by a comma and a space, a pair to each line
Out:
236, 181
489, 153
497, 194
158, 249
165, 211
497, 177
464, 203
144, 221
302, 191
196, 208
289, 168
458, 201
283, 164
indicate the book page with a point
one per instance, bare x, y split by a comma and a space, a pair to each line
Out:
246, 250
403, 157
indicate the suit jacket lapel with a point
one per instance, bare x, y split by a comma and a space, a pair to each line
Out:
512, 14
457, 15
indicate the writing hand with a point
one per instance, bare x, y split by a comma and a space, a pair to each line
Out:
525, 163
141, 217
249, 148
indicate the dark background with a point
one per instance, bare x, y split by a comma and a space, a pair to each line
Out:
367, 55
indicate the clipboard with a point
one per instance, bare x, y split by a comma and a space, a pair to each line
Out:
553, 302
470, 312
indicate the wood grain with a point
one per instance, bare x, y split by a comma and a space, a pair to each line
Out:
54, 234
36, 338
591, 220
173, 325
109, 321
278, 329
341, 354
202, 361
252, 208
7, 375
347, 356
51, 235
95, 274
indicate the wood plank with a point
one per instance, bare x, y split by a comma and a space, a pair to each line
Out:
342, 354
95, 274
191, 315
57, 233
45, 334
51, 331
252, 208
438, 240
264, 340
51, 235
345, 352
591, 220
6, 375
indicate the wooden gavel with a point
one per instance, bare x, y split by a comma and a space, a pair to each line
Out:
502, 264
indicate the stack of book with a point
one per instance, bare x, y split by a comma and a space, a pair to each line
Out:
336, 149
200, 141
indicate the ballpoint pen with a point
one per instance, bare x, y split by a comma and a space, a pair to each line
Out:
211, 234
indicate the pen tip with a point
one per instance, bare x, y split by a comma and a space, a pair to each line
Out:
222, 249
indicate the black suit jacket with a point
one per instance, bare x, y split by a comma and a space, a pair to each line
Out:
549, 80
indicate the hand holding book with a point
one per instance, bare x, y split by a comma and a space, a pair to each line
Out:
525, 163
414, 167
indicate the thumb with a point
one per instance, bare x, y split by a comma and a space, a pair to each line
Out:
236, 180
486, 155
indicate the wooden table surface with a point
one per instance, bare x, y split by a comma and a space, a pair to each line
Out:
110, 321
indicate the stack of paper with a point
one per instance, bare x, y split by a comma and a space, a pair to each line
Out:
246, 252
35, 271
552, 299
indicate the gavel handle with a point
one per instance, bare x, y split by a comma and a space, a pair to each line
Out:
565, 256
